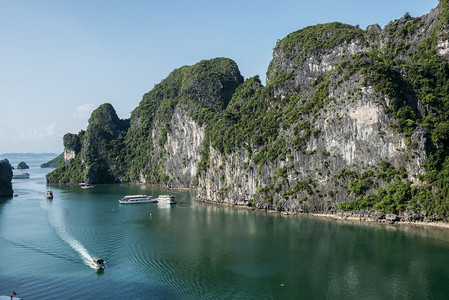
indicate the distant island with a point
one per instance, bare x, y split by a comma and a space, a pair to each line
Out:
350, 122
22, 166
54, 163
27, 155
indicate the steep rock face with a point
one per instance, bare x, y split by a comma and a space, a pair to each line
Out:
162, 141
102, 141
336, 139
312, 52
350, 119
72, 145
5, 178
352, 133
167, 127
183, 147
95, 155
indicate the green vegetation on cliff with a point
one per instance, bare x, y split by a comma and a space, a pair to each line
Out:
421, 75
133, 150
205, 87
55, 162
278, 128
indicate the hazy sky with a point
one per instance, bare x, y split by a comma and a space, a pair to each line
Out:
59, 60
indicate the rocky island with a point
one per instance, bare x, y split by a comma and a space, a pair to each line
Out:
5, 178
22, 166
350, 121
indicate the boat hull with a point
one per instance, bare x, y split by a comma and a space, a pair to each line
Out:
166, 199
137, 199
137, 202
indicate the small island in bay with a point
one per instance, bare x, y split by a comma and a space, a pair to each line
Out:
22, 166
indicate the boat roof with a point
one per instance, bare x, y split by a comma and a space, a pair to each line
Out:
135, 196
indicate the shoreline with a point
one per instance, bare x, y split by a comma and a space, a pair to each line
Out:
337, 217
353, 219
340, 217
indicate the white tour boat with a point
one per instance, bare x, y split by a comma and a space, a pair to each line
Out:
135, 199
168, 199
21, 176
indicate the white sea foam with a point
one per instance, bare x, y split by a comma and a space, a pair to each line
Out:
70, 240
76, 245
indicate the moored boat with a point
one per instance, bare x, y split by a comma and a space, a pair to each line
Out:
136, 199
49, 194
167, 199
87, 186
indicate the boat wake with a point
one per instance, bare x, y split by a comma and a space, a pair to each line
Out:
76, 245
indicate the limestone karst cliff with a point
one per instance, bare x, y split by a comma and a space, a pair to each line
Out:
5, 178
349, 119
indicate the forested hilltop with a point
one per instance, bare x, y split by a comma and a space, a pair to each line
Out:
349, 120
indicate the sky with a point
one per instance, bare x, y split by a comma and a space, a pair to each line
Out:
61, 59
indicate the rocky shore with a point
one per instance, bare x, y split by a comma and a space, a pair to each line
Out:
420, 219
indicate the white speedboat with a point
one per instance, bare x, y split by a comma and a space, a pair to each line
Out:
98, 262
135, 199
167, 199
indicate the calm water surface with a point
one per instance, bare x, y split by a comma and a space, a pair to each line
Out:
203, 251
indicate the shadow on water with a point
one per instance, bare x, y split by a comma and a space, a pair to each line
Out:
203, 250
4, 200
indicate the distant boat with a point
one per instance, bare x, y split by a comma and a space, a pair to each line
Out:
136, 199
168, 199
21, 176
87, 186
49, 194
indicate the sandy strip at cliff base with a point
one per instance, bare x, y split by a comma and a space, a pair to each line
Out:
438, 224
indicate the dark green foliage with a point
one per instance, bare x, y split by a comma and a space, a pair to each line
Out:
113, 148
72, 172
72, 141
393, 199
308, 186
319, 38
55, 162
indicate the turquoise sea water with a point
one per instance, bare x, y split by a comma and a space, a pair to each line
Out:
198, 250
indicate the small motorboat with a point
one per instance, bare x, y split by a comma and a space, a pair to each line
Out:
87, 186
49, 194
98, 262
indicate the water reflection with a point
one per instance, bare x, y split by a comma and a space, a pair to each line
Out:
203, 250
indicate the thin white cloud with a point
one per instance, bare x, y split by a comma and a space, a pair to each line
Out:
83, 111
36, 133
